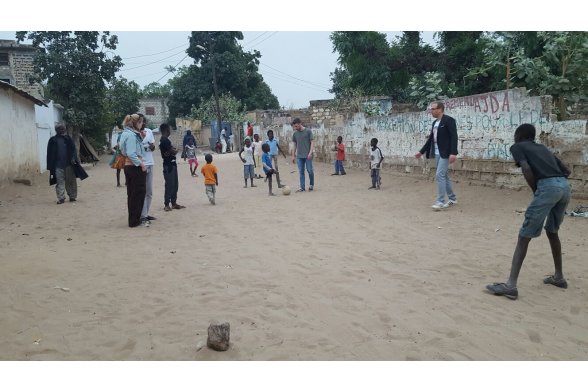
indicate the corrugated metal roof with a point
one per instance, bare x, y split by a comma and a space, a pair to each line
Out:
8, 86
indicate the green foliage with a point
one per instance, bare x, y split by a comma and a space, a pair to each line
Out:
122, 98
548, 63
156, 90
236, 71
430, 87
369, 63
76, 66
231, 109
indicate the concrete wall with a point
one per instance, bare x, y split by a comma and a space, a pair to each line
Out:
19, 158
485, 125
46, 118
160, 107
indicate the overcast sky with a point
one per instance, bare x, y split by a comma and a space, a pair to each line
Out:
295, 64
297, 55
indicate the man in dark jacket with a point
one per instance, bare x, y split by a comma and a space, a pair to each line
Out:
61, 158
442, 145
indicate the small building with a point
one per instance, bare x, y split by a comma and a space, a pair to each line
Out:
155, 110
19, 157
17, 67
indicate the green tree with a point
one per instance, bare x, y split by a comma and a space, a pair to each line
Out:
364, 63
368, 63
231, 109
155, 90
122, 98
76, 65
430, 87
461, 51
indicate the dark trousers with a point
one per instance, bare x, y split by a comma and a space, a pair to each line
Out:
136, 188
170, 175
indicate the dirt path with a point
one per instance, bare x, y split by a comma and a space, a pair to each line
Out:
341, 273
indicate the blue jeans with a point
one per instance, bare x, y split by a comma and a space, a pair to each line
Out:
339, 167
549, 201
308, 163
443, 180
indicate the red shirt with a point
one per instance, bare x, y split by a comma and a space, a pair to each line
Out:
250, 131
340, 152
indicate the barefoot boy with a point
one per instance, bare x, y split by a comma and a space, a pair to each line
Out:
547, 177
210, 173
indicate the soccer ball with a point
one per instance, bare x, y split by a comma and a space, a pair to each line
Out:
286, 190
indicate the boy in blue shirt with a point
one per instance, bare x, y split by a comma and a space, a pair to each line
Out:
266, 161
547, 178
273, 152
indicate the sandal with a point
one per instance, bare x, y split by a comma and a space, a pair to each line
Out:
561, 283
503, 289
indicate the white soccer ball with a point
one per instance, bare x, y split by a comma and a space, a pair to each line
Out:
286, 190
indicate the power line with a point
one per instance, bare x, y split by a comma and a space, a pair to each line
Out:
255, 39
170, 70
154, 54
298, 84
266, 38
294, 77
155, 62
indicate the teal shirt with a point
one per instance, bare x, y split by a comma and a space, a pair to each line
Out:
131, 146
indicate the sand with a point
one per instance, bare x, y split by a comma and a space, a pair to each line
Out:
341, 273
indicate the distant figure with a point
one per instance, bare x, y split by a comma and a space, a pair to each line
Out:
187, 137
267, 166
376, 159
249, 130
442, 145
210, 173
170, 169
190, 152
340, 148
61, 158
248, 161
547, 178
274, 146
223, 140
114, 140
257, 155
303, 152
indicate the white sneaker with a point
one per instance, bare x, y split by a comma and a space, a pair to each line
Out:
438, 206
450, 203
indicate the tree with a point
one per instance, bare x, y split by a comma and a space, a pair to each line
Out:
231, 109
367, 62
77, 66
122, 98
156, 90
236, 70
364, 63
430, 87
549, 63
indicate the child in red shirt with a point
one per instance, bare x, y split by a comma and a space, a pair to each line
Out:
340, 148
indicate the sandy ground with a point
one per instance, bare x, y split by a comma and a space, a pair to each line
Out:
342, 273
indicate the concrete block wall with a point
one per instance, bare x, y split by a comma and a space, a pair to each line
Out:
485, 124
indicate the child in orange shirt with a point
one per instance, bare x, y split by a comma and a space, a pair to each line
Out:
210, 173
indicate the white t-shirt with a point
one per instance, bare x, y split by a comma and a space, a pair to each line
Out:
435, 128
147, 153
257, 146
248, 152
375, 157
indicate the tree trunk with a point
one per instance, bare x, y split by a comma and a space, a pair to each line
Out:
74, 132
561, 105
